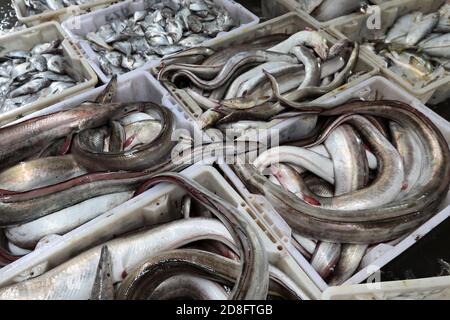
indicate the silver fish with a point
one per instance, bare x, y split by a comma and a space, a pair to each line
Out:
30, 87
56, 63
402, 26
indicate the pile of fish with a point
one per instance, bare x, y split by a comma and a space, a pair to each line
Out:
416, 46
212, 252
60, 170
370, 172
234, 86
325, 10
163, 28
28, 75
39, 6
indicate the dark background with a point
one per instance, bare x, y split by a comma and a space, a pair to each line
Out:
425, 259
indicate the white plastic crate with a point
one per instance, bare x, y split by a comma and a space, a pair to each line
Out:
385, 90
161, 200
275, 8
27, 39
78, 27
357, 28
287, 24
56, 15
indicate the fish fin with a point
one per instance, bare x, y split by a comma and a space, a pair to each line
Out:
103, 287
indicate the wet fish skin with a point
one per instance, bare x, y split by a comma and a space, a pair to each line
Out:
431, 141
60, 222
330, 9
422, 27
30, 87
103, 287
401, 27
26, 138
157, 31
53, 284
438, 46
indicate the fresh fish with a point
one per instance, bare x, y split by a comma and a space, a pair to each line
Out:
53, 284
161, 29
309, 5
185, 285
398, 32
444, 19
330, 9
54, 4
43, 48
123, 47
30, 87
103, 287
325, 258
349, 261
438, 46
40, 173
39, 63
20, 142
60, 222
422, 26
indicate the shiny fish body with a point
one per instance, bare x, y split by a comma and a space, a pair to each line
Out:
160, 29
126, 253
65, 220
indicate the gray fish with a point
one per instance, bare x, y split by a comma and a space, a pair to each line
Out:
195, 24
22, 69
39, 63
59, 86
140, 45
127, 62
139, 15
175, 29
444, 20
309, 5
52, 76
401, 27
422, 26
160, 40
48, 47
18, 54
124, 47
438, 46
193, 40
93, 37
30, 87
163, 51
103, 287
114, 58
54, 4
330, 9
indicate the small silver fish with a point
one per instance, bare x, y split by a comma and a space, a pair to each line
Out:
56, 63
30, 87
422, 26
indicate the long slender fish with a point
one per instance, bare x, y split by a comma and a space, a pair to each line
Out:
22, 140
